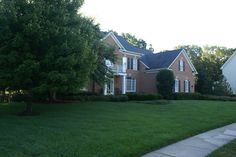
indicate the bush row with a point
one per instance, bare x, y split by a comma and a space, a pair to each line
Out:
142, 97
198, 96
188, 96
114, 98
129, 96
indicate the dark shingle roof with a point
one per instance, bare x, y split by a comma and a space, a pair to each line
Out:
130, 47
160, 60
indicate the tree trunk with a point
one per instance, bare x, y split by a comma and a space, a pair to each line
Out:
93, 86
54, 96
29, 108
4, 95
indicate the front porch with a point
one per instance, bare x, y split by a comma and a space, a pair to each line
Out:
120, 84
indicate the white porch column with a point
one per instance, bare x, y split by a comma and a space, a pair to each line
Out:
124, 64
105, 89
124, 84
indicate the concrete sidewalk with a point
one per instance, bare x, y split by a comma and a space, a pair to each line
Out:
198, 146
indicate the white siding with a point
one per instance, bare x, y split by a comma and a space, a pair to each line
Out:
229, 71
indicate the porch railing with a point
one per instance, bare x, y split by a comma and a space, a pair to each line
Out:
118, 68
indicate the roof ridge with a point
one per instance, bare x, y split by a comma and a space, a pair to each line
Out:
130, 47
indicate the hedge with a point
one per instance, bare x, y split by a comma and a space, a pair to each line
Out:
142, 97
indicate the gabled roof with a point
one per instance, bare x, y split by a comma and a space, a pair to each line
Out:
160, 60
130, 47
229, 60
126, 46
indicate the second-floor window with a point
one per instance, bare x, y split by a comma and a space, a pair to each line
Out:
181, 65
132, 63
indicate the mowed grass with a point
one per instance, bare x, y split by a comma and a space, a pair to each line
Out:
229, 150
106, 129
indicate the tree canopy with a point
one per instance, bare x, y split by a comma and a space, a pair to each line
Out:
135, 41
46, 46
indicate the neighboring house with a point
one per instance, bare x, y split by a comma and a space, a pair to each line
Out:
229, 72
135, 69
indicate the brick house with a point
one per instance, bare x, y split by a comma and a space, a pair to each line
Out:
135, 69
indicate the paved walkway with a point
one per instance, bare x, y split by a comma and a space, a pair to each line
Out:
198, 146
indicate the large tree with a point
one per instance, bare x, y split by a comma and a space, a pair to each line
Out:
45, 46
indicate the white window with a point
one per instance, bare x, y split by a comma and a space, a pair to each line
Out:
110, 87
181, 65
132, 63
130, 84
135, 64
186, 86
176, 85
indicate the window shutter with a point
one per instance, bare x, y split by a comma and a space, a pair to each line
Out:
138, 64
183, 65
128, 63
131, 63
188, 86
184, 85
179, 86
179, 65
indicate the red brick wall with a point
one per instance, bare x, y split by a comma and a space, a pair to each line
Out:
183, 75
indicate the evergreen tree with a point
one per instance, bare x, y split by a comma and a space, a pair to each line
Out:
165, 83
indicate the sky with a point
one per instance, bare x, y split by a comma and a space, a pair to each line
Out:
168, 23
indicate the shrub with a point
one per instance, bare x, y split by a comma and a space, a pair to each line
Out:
188, 96
222, 88
114, 98
219, 98
19, 97
165, 83
118, 98
142, 97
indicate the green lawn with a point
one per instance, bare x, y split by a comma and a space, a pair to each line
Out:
106, 129
228, 150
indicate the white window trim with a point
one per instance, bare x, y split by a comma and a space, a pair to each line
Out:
186, 86
181, 65
132, 85
135, 64
176, 85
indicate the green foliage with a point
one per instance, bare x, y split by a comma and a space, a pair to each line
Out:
45, 46
188, 96
165, 83
134, 41
222, 88
208, 61
112, 98
103, 73
143, 97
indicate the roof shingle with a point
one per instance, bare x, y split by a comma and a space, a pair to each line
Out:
160, 60
130, 47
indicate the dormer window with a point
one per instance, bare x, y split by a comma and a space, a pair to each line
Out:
181, 65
